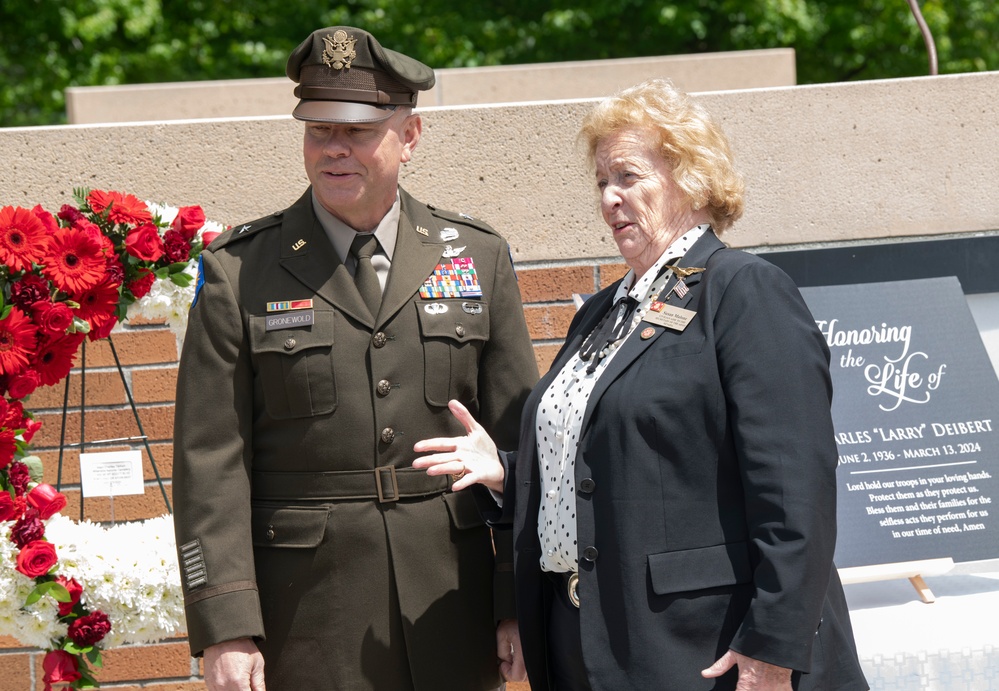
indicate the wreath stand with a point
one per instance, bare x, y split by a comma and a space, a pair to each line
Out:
82, 442
913, 570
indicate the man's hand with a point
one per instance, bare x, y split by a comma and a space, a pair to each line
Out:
509, 652
234, 666
754, 675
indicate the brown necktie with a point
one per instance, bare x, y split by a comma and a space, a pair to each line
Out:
365, 276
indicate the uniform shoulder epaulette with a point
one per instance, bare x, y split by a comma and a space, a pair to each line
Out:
462, 218
245, 230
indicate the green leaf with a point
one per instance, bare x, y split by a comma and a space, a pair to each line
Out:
94, 655
34, 464
183, 280
47, 588
5, 311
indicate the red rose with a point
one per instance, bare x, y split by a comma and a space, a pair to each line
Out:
75, 591
36, 558
23, 384
30, 427
47, 219
189, 221
141, 286
46, 499
60, 668
207, 237
11, 508
145, 243
28, 529
90, 629
53, 318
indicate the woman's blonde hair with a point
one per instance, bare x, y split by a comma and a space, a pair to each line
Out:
684, 134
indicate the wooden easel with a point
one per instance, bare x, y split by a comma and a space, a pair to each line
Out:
913, 570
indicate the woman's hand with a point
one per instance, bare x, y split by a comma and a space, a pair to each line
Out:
470, 459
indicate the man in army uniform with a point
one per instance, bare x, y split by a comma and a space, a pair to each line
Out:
323, 342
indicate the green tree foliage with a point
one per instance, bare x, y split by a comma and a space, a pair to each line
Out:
48, 45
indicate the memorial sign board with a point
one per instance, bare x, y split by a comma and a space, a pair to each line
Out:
916, 414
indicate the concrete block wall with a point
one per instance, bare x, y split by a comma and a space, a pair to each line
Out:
825, 165
748, 69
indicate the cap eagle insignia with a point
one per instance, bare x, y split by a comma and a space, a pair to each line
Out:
339, 51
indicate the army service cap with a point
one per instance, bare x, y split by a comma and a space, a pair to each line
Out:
345, 75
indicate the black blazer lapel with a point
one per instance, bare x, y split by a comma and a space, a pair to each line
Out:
635, 345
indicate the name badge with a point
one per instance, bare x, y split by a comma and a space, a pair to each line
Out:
671, 317
289, 320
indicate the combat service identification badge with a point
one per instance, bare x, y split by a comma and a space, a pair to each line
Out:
339, 51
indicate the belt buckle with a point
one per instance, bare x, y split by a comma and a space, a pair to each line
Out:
573, 589
379, 486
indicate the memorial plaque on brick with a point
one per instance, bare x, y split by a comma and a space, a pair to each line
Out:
916, 413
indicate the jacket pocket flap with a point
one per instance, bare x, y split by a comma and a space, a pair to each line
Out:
282, 526
701, 568
464, 512
458, 320
318, 334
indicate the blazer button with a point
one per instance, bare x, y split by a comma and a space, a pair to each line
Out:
590, 554
290, 344
460, 330
587, 485
384, 387
379, 339
388, 435
270, 532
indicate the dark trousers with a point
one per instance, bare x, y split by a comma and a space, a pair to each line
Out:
565, 651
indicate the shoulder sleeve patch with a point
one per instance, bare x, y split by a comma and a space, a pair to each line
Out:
245, 230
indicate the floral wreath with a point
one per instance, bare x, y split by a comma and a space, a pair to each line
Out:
64, 278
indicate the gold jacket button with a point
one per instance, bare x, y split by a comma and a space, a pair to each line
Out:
384, 387
290, 344
379, 339
388, 435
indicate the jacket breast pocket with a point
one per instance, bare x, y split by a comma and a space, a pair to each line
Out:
295, 366
699, 569
453, 334
275, 525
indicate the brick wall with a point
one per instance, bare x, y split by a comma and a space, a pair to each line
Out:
148, 352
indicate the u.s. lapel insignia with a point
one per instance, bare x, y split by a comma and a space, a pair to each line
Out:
339, 52
422, 231
451, 252
435, 308
449, 234
298, 245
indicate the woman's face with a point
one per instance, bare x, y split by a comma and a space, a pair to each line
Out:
644, 208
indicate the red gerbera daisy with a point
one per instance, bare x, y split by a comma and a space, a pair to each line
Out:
23, 239
121, 208
97, 306
74, 261
17, 340
54, 358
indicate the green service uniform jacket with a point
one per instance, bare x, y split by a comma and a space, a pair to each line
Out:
299, 519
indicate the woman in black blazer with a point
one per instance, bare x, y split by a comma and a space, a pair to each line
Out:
673, 497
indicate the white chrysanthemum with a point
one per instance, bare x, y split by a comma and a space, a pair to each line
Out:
128, 571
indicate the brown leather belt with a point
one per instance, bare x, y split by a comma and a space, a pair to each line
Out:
385, 484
